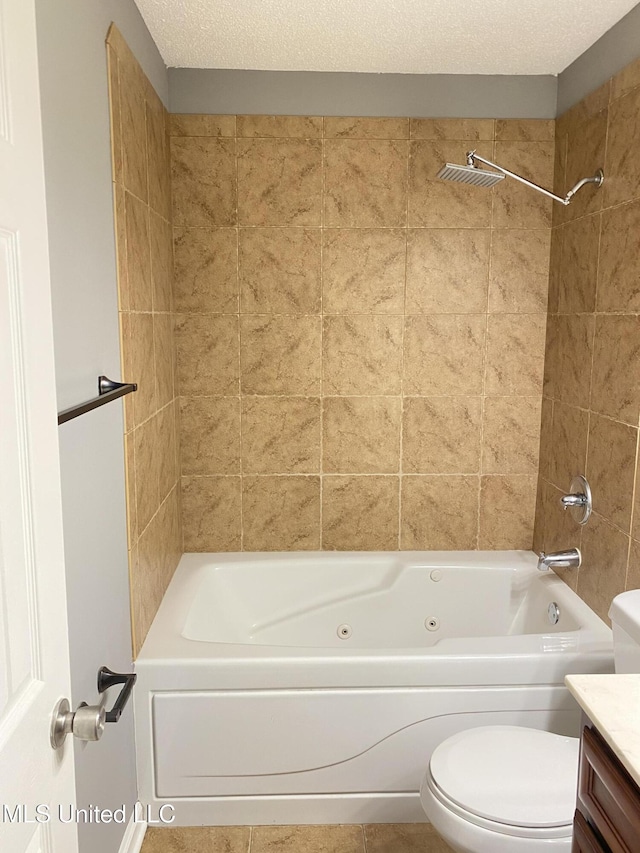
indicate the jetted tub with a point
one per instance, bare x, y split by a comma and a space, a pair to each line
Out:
313, 687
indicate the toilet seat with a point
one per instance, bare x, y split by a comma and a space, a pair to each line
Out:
491, 826
508, 779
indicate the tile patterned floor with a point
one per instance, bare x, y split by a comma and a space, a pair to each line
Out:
370, 838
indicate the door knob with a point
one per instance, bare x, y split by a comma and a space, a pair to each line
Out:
86, 722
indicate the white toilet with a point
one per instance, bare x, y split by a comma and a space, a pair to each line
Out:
510, 789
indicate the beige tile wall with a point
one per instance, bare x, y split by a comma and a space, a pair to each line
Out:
142, 202
591, 405
359, 346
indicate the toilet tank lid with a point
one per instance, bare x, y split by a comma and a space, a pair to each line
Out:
510, 774
625, 612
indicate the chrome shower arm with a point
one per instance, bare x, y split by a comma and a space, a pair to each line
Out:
597, 179
473, 157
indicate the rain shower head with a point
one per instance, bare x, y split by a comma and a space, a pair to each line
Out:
472, 174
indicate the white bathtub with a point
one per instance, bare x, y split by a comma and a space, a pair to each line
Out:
312, 687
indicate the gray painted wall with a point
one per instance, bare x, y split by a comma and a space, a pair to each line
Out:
197, 90
616, 48
201, 90
73, 74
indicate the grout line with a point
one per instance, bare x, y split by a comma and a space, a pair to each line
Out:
347, 314
350, 474
381, 397
634, 496
547, 478
241, 461
153, 295
590, 412
174, 360
402, 346
619, 313
323, 189
239, 331
413, 226
485, 360
603, 518
155, 514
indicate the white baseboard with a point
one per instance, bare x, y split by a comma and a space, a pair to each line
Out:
133, 836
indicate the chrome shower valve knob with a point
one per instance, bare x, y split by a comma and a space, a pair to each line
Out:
573, 500
578, 500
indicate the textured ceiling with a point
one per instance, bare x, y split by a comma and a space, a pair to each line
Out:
406, 36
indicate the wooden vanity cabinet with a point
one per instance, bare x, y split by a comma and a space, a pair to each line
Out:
607, 819
584, 838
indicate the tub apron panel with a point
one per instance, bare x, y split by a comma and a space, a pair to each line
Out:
234, 743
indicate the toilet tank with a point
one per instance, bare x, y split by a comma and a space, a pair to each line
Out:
625, 621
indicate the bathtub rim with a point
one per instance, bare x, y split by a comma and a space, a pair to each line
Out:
165, 646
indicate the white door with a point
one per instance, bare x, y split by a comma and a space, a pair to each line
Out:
34, 658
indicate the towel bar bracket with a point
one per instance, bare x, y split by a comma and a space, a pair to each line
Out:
107, 679
108, 390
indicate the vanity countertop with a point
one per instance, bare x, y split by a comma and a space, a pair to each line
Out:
612, 703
